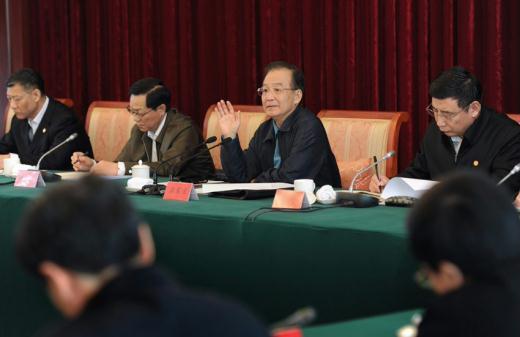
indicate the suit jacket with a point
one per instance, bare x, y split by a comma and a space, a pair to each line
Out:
491, 144
177, 137
304, 150
144, 302
57, 124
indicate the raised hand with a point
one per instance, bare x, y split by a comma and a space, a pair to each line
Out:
228, 119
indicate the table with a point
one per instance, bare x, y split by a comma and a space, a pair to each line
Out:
345, 262
378, 326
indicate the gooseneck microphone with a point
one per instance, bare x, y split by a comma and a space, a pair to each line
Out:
360, 172
49, 177
157, 189
299, 318
69, 139
224, 141
513, 171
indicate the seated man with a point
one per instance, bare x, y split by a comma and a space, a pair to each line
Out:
95, 255
465, 134
159, 135
39, 124
291, 145
466, 234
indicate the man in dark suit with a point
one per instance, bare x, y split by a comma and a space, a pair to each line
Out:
39, 124
85, 240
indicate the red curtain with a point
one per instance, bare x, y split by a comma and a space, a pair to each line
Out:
357, 54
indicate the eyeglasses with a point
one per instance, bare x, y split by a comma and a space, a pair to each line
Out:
136, 113
446, 115
275, 91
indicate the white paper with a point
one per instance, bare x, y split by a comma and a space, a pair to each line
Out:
406, 187
71, 175
209, 188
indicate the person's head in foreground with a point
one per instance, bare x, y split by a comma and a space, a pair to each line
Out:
85, 240
466, 234
78, 236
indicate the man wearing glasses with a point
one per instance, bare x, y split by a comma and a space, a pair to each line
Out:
291, 145
159, 134
465, 134
40, 123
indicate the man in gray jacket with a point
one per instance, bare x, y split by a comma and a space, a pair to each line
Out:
159, 135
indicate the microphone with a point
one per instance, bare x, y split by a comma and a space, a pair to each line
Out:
224, 141
360, 200
360, 172
513, 171
49, 176
300, 317
69, 139
157, 189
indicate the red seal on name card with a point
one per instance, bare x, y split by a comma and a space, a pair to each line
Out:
180, 192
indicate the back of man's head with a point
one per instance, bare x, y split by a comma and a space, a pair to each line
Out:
28, 79
83, 226
154, 89
470, 222
459, 84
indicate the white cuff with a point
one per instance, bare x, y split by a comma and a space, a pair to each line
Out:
121, 169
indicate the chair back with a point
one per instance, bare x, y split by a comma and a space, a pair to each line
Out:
356, 136
108, 126
251, 116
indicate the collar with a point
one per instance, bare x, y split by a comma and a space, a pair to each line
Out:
35, 122
286, 126
473, 133
154, 134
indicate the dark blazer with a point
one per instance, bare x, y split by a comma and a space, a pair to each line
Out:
144, 302
58, 123
491, 144
304, 149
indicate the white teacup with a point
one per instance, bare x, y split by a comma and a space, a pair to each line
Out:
141, 171
307, 186
9, 164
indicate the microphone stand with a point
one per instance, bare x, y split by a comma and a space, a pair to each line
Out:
360, 200
158, 189
50, 177
172, 178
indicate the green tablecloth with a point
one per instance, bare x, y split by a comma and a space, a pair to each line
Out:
346, 262
379, 326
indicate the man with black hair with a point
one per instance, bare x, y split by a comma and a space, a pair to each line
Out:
464, 134
160, 133
39, 124
466, 234
291, 145
95, 255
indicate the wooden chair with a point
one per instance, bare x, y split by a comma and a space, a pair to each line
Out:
356, 136
515, 117
108, 126
251, 116
9, 113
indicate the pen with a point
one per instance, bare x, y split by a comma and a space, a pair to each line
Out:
376, 168
84, 154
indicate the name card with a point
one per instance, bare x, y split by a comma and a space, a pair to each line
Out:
30, 179
180, 192
290, 199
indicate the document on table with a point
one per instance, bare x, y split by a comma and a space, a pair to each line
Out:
209, 188
406, 187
